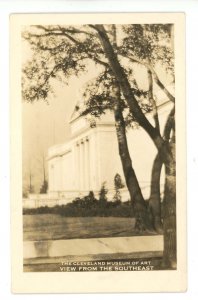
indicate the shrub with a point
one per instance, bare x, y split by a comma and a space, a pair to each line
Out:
86, 207
103, 194
118, 184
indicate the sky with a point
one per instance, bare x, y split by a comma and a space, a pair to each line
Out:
45, 125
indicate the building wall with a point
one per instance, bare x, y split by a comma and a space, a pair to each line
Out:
143, 151
67, 171
91, 158
109, 160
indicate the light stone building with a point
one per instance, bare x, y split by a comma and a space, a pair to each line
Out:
91, 158
87, 161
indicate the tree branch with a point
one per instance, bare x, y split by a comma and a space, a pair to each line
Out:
126, 88
169, 124
64, 33
44, 48
63, 30
155, 76
89, 55
152, 101
55, 69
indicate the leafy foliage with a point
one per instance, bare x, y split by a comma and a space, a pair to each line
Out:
103, 194
118, 184
99, 97
151, 43
63, 51
56, 54
87, 206
44, 187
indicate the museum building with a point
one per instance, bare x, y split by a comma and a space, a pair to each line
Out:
90, 158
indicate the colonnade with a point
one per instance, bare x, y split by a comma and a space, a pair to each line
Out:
82, 161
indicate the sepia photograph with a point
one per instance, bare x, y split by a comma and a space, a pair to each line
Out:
101, 117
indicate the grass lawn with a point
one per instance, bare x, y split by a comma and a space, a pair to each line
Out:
55, 227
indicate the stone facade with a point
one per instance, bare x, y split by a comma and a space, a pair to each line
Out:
91, 158
86, 161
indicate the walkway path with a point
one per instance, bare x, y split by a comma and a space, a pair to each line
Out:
94, 246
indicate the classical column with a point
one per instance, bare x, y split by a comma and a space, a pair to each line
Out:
60, 162
81, 165
77, 167
87, 169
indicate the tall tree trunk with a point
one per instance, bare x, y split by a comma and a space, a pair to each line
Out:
162, 146
122, 79
143, 221
155, 198
169, 220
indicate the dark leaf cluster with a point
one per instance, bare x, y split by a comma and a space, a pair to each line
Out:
150, 43
57, 54
99, 97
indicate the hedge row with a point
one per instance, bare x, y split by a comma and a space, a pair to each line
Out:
87, 206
